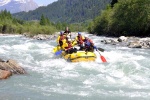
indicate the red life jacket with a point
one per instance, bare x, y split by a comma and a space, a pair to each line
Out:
80, 39
62, 37
69, 46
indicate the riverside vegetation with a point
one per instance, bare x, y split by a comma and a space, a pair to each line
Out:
123, 17
11, 25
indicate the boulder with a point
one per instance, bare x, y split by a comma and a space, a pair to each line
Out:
16, 68
4, 74
135, 44
9, 67
122, 38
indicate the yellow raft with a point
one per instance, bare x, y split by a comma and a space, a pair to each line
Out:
79, 56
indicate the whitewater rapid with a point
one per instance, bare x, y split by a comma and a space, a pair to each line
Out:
125, 76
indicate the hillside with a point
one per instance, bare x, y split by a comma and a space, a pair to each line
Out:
68, 11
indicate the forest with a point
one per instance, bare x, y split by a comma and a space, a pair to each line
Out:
123, 17
11, 25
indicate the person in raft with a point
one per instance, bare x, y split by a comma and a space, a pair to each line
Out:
67, 32
80, 41
60, 39
89, 45
69, 47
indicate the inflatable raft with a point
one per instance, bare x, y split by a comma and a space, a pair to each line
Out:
79, 56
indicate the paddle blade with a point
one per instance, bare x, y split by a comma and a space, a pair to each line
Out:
100, 49
57, 48
58, 52
103, 58
54, 50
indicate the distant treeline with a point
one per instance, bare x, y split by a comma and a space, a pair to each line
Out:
123, 17
8, 24
11, 25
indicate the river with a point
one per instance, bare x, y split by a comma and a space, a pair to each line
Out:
125, 76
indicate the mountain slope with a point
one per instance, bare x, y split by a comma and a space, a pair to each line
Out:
69, 11
15, 6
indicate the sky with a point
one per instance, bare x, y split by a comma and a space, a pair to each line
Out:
44, 2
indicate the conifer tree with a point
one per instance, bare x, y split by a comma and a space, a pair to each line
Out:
113, 2
43, 20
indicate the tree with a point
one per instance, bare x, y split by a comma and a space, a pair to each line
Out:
43, 20
113, 2
128, 18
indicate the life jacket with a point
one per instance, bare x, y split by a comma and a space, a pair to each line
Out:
69, 45
80, 39
88, 42
62, 37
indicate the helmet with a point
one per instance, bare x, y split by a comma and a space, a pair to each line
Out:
69, 40
61, 33
79, 33
86, 38
67, 37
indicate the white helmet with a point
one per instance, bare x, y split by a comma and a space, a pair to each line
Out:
69, 39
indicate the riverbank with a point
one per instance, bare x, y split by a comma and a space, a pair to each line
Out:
130, 42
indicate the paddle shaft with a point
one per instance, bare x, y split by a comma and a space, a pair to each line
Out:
101, 49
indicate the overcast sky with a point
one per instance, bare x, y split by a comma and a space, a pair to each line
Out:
44, 2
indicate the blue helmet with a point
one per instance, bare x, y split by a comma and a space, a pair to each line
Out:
61, 33
79, 33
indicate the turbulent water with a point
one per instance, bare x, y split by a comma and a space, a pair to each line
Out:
125, 76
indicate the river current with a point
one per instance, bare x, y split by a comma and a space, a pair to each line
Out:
125, 76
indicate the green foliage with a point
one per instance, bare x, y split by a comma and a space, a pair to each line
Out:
113, 2
73, 27
43, 20
5, 15
101, 23
8, 24
35, 28
127, 17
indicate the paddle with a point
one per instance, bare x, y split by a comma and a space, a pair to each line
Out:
100, 49
102, 57
58, 52
57, 48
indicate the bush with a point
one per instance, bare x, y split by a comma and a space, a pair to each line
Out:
127, 17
